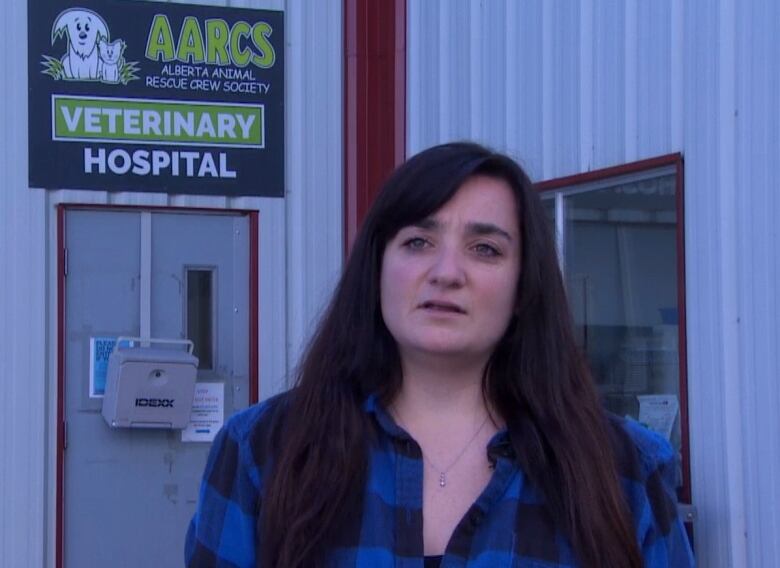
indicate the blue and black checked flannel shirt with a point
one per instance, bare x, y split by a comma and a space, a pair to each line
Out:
506, 526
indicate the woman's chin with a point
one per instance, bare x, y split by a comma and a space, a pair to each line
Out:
449, 351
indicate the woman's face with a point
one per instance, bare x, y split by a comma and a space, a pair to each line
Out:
448, 283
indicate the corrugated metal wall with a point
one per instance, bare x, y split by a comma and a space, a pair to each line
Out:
559, 84
732, 122
23, 317
756, 149
569, 87
300, 249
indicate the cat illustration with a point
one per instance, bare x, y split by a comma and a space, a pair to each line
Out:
111, 59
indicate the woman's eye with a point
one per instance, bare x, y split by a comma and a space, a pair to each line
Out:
483, 249
415, 243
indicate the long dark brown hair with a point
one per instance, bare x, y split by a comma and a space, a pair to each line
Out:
536, 379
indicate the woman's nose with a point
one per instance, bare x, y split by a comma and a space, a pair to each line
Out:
447, 269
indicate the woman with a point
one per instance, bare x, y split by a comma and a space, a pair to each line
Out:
442, 407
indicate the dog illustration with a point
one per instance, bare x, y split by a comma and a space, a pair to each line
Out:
111, 59
82, 28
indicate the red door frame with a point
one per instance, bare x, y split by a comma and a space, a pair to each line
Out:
374, 102
675, 160
61, 259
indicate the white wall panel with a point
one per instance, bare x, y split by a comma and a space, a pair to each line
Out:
610, 36
652, 62
314, 163
714, 408
592, 84
300, 249
23, 344
756, 147
526, 94
564, 86
562, 106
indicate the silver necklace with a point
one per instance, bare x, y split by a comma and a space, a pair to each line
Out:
443, 471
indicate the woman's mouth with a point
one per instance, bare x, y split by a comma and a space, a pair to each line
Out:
442, 307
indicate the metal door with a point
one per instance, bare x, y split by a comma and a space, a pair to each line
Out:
129, 493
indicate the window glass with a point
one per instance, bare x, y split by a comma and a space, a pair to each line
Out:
200, 311
620, 266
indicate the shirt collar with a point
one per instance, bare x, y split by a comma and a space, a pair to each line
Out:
373, 406
500, 444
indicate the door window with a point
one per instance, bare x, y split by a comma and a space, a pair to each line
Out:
200, 314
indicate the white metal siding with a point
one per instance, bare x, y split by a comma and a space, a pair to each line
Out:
569, 87
314, 164
300, 255
565, 86
755, 151
23, 340
715, 406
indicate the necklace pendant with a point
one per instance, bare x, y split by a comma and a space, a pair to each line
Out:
442, 480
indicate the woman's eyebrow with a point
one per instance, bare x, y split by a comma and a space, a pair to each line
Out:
472, 228
428, 223
476, 228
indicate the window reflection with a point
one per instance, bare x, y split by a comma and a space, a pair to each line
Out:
620, 266
200, 302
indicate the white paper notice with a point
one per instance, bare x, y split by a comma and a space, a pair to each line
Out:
207, 413
658, 412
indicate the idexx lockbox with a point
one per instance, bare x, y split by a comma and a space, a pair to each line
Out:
149, 387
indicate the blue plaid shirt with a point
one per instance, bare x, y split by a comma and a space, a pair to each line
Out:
507, 525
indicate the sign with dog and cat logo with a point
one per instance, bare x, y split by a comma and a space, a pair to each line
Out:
156, 97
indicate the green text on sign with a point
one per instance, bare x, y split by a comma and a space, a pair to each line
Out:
157, 122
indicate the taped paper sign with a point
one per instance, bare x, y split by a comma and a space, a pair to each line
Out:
100, 349
658, 412
208, 413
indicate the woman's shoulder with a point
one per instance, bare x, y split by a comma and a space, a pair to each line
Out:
245, 443
650, 475
257, 427
648, 466
640, 452
258, 418
224, 524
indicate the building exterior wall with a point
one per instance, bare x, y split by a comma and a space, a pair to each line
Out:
569, 87
300, 254
23, 319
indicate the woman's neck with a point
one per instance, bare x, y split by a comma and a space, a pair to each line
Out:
434, 391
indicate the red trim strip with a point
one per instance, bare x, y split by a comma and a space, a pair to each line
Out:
685, 492
154, 208
634, 167
254, 312
374, 102
399, 60
613, 171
